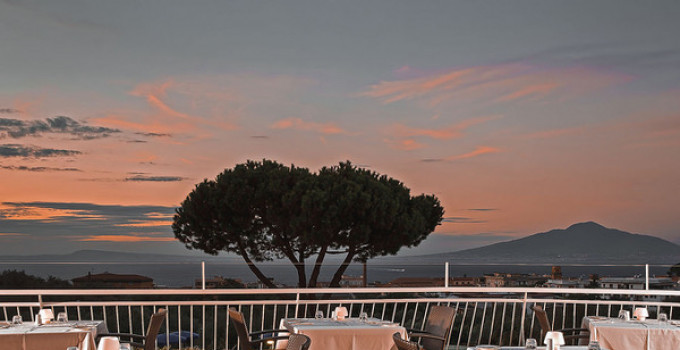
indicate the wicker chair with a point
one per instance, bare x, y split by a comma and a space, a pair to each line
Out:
403, 344
245, 337
437, 330
571, 335
298, 342
148, 342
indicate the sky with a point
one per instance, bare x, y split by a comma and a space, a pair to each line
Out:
520, 116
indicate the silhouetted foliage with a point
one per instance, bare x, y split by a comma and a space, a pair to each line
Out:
13, 279
265, 211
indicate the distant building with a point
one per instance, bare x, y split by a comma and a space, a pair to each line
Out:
113, 281
513, 280
433, 282
638, 283
562, 283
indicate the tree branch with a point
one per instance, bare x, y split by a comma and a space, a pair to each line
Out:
335, 282
251, 265
317, 266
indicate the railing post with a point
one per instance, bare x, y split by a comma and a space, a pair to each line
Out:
40, 301
203, 275
297, 303
646, 276
524, 315
446, 274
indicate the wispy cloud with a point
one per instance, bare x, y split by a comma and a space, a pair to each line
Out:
37, 169
27, 151
482, 209
405, 145
9, 111
496, 84
477, 152
124, 238
16, 128
143, 178
446, 133
299, 124
462, 220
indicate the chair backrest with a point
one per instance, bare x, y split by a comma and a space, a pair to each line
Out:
298, 342
542, 319
439, 323
403, 344
239, 323
153, 329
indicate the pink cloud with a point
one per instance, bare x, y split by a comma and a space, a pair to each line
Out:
477, 152
499, 84
449, 132
405, 145
124, 238
299, 124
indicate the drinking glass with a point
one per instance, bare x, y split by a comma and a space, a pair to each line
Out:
62, 318
72, 348
124, 346
663, 317
531, 344
17, 319
593, 345
318, 314
363, 317
624, 315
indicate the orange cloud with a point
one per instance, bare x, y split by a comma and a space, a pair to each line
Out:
477, 152
139, 223
44, 214
405, 145
299, 124
548, 134
500, 83
447, 133
124, 238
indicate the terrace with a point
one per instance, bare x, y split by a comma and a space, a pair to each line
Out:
500, 316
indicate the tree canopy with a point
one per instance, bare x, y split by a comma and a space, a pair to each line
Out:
265, 211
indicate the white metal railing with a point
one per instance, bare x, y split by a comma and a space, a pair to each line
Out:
484, 315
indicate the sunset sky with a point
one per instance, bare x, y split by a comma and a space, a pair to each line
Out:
521, 116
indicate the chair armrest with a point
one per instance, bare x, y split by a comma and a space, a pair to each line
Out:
426, 335
262, 340
269, 331
121, 335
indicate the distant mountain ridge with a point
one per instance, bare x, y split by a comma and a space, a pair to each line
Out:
111, 256
582, 242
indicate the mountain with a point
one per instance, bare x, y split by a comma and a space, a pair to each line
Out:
583, 242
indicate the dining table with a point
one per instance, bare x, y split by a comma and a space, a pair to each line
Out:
563, 347
50, 336
633, 334
347, 334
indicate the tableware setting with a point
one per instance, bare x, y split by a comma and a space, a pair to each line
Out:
553, 340
641, 313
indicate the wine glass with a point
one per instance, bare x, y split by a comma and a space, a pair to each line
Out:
125, 346
624, 315
593, 345
363, 316
62, 317
531, 344
663, 317
17, 319
318, 314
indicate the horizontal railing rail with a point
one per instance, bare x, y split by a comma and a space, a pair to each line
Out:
484, 315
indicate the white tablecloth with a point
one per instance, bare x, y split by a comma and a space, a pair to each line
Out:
50, 336
616, 334
349, 334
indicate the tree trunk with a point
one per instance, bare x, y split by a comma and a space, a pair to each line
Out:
300, 267
317, 266
255, 269
335, 282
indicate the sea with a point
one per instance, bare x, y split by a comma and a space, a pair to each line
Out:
169, 274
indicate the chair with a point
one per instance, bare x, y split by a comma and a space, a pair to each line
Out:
576, 333
148, 342
403, 344
437, 331
298, 342
245, 337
